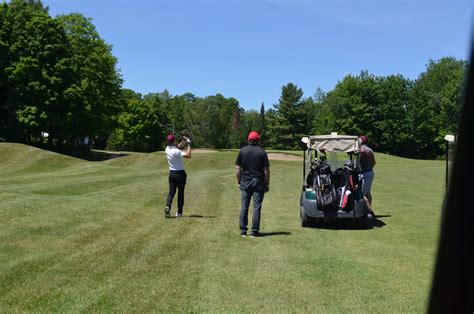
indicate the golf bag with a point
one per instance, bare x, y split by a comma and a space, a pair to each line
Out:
324, 187
344, 185
335, 190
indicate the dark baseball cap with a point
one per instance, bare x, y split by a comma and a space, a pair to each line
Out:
170, 138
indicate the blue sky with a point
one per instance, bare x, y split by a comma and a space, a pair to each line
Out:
250, 49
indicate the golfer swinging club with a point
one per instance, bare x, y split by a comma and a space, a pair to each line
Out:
177, 176
253, 176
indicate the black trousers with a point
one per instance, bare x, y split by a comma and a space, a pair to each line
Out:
253, 187
177, 180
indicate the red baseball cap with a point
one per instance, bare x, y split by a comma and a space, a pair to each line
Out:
170, 138
363, 139
253, 137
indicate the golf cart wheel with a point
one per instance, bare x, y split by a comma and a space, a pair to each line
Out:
305, 220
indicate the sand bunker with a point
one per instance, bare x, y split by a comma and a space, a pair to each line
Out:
203, 151
285, 157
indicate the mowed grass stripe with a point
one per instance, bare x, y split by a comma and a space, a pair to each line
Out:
19, 158
96, 240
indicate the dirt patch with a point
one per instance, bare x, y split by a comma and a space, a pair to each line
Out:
285, 157
203, 151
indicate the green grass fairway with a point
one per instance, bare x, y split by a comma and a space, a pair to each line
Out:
91, 236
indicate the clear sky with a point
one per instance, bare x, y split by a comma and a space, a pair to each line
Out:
250, 49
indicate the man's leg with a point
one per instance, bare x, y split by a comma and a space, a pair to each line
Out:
257, 207
172, 190
244, 211
367, 203
368, 179
369, 197
181, 185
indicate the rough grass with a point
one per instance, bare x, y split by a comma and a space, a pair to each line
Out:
90, 236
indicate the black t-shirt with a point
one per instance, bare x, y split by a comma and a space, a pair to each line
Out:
252, 159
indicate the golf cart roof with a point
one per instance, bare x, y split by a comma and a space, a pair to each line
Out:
333, 143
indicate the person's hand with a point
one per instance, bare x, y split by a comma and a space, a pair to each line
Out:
187, 140
266, 189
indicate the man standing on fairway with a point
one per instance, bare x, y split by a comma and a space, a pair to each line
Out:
367, 163
253, 176
177, 176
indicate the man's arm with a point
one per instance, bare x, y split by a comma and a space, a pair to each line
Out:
182, 143
266, 171
238, 169
187, 153
237, 174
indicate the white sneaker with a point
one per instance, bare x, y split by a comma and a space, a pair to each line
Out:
178, 215
167, 212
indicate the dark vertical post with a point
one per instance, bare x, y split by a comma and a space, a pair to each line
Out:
447, 165
452, 290
304, 165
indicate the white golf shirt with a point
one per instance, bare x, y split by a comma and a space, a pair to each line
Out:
175, 157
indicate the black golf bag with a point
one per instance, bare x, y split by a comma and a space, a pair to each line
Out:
324, 187
346, 182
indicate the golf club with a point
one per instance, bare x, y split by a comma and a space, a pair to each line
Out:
183, 134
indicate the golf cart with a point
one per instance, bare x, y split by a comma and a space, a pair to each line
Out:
332, 181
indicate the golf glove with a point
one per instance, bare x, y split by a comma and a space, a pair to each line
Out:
188, 140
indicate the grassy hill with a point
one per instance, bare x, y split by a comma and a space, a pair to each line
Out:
91, 236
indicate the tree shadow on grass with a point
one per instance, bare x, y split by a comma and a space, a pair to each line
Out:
81, 153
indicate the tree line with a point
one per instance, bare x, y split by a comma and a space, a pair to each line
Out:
59, 77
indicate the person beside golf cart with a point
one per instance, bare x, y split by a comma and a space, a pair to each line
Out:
177, 176
253, 178
367, 164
